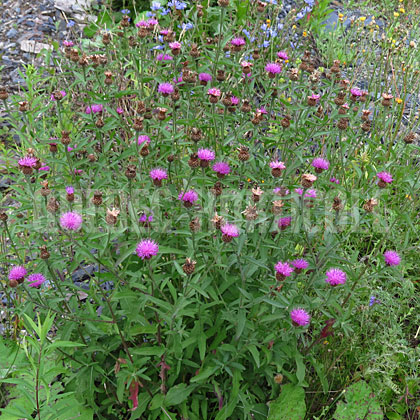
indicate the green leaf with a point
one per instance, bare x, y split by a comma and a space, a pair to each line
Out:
148, 351
290, 405
255, 354
177, 394
207, 371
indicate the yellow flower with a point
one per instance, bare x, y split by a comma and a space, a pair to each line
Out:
294, 27
286, 61
362, 18
262, 181
289, 99
340, 15
268, 21
325, 341
305, 34
398, 100
402, 10
396, 14
363, 51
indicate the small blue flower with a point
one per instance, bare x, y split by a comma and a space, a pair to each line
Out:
125, 11
227, 54
164, 12
266, 44
186, 26
160, 38
150, 14
156, 6
71, 23
373, 300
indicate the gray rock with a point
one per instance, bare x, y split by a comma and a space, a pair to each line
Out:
11, 33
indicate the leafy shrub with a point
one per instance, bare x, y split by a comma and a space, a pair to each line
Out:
200, 214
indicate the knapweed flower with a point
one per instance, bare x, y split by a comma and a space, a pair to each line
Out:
36, 279
68, 43
384, 179
334, 180
214, 95
146, 249
69, 190
152, 21
229, 231
27, 164
356, 92
17, 273
283, 270
320, 165
143, 138
311, 193
282, 55
175, 47
246, 67
284, 222
222, 169
335, 276
313, 99
189, 197
300, 264
300, 317
234, 100
277, 168
164, 57
94, 109
158, 175
45, 168
62, 92
204, 78
142, 24
237, 43
71, 221
392, 258
205, 156
120, 111
145, 220
165, 89
272, 69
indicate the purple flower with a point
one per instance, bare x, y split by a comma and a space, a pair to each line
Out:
142, 24
334, 180
335, 277
277, 165
165, 88
214, 92
300, 264
35, 280
273, 68
284, 222
17, 272
230, 230
300, 317
282, 55
146, 249
284, 269
234, 100
356, 92
152, 21
385, 177
120, 111
175, 45
44, 168
63, 94
94, 109
204, 77
206, 154
221, 168
146, 219
311, 193
143, 138
320, 163
164, 57
190, 196
68, 43
392, 258
71, 221
28, 162
69, 190
238, 42
158, 174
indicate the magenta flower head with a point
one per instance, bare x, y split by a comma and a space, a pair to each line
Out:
335, 277
320, 165
35, 280
45, 168
69, 190
188, 198
71, 221
68, 43
222, 169
284, 222
272, 69
283, 270
165, 89
152, 21
356, 92
392, 258
205, 156
334, 180
282, 55
158, 175
17, 273
63, 94
300, 265
229, 231
384, 179
28, 162
175, 45
277, 168
146, 249
164, 57
300, 317
234, 100
214, 92
142, 24
120, 111
94, 109
237, 43
143, 138
204, 78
